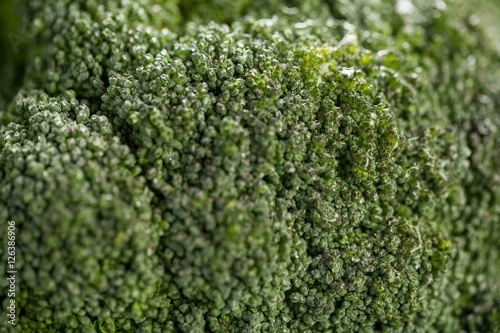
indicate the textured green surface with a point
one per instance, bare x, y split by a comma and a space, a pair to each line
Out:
323, 169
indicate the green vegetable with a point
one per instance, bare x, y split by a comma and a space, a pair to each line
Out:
273, 167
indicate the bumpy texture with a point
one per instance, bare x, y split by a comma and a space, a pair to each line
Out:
318, 167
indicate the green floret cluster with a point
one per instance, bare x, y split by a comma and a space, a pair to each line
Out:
243, 167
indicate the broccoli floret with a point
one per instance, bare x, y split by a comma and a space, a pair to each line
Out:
103, 39
250, 122
63, 177
326, 166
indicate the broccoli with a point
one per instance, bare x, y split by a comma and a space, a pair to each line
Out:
327, 166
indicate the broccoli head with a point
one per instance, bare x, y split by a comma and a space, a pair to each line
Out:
292, 167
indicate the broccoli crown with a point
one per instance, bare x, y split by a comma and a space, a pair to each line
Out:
275, 166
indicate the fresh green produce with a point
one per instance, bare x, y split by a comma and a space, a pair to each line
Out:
282, 166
